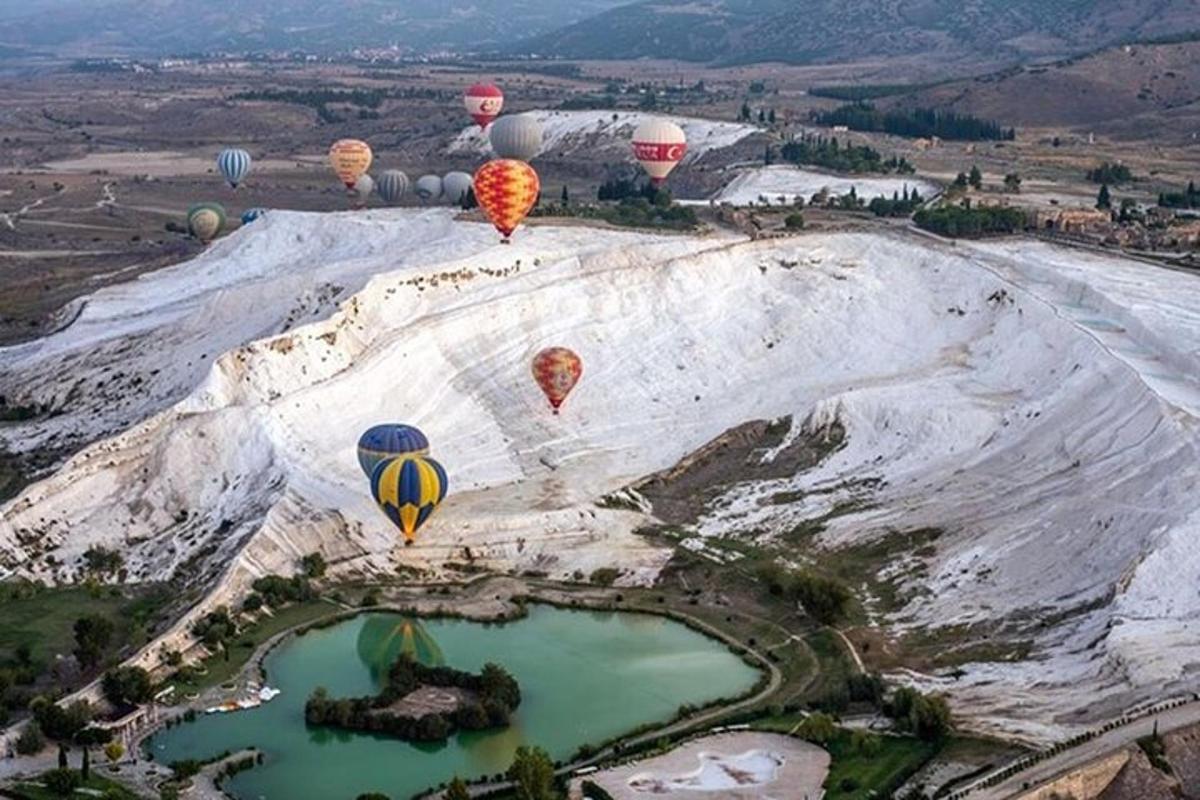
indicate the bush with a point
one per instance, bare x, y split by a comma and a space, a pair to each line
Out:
31, 740
794, 221
62, 782
127, 685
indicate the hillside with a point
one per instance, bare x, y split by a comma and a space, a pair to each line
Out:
161, 27
818, 31
1033, 406
1153, 84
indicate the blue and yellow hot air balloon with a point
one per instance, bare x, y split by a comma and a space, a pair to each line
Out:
388, 441
408, 489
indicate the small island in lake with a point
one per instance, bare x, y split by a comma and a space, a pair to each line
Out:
422, 703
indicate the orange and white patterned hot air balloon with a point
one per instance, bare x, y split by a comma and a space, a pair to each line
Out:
557, 370
506, 190
659, 145
483, 102
350, 159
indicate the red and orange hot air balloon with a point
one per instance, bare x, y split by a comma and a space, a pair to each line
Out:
659, 145
506, 190
557, 370
483, 102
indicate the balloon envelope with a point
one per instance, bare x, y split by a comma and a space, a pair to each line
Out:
557, 370
234, 165
506, 190
364, 186
205, 220
455, 185
251, 214
659, 145
483, 102
516, 136
392, 185
380, 442
429, 188
350, 159
408, 489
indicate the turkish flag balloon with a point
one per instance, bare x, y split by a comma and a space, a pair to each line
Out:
557, 370
483, 102
506, 190
659, 145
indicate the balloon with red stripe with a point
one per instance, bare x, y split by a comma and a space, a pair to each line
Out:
557, 370
506, 191
659, 145
483, 102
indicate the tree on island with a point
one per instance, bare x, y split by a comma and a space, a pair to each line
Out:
457, 790
533, 773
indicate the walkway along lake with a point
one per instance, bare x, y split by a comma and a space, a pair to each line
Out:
585, 677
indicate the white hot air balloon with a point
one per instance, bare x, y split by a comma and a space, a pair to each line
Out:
363, 188
392, 185
516, 136
455, 185
659, 145
429, 188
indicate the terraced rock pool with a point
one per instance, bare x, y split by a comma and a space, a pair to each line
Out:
585, 677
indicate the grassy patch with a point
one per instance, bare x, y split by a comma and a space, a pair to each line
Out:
223, 666
103, 787
834, 665
859, 774
44, 618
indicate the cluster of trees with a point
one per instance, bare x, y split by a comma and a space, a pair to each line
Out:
127, 685
965, 221
915, 122
103, 562
824, 599
495, 696
1188, 198
617, 189
828, 152
636, 205
900, 205
765, 115
278, 591
926, 716
215, 628
1110, 173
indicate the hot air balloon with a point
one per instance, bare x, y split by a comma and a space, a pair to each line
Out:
516, 136
391, 186
383, 638
659, 145
251, 214
483, 102
234, 165
408, 489
363, 188
350, 159
205, 220
506, 190
455, 185
557, 370
429, 188
380, 442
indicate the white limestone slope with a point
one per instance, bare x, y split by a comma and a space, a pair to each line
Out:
781, 184
609, 132
1036, 404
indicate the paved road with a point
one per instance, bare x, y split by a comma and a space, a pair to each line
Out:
1103, 745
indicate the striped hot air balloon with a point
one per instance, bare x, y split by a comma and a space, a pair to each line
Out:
483, 102
234, 165
408, 489
350, 159
205, 220
380, 442
506, 190
391, 186
557, 370
659, 145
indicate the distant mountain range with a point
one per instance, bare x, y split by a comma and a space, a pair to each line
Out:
161, 27
711, 31
822, 31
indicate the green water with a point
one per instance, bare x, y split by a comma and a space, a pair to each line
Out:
584, 676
